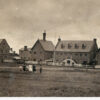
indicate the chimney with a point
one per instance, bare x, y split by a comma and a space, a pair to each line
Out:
95, 40
59, 39
25, 47
44, 36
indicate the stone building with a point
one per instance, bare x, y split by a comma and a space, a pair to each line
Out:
25, 53
81, 52
4, 50
41, 50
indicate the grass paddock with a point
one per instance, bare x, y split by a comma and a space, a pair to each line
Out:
54, 81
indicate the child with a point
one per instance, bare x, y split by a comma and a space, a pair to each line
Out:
34, 68
40, 69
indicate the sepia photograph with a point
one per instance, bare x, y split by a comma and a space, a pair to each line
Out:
49, 48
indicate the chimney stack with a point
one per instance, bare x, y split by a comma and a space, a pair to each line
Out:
95, 40
44, 36
59, 39
25, 47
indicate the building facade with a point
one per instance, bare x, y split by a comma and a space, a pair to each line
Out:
4, 50
81, 52
25, 53
41, 50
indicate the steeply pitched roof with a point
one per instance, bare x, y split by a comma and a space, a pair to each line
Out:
4, 40
64, 46
46, 45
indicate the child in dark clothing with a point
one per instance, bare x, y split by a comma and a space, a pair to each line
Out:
34, 68
24, 67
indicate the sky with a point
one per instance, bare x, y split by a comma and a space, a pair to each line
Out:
22, 22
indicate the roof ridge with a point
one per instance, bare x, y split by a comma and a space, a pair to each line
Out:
77, 40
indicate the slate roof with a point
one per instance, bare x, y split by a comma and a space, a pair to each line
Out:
74, 46
46, 45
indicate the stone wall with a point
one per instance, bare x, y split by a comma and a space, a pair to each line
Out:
77, 57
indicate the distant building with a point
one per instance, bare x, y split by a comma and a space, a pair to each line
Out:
12, 54
98, 57
25, 53
41, 50
81, 52
4, 50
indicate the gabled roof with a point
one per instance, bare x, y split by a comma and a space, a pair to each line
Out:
1, 40
46, 45
88, 46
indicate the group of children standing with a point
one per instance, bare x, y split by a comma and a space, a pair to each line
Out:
33, 68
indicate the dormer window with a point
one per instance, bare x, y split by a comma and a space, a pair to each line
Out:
69, 46
83, 46
76, 46
62, 46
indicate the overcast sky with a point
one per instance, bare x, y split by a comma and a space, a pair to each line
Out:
22, 22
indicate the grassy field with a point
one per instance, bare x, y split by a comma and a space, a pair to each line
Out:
54, 81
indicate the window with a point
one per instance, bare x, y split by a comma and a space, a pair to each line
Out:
84, 62
34, 59
85, 54
83, 46
40, 59
68, 61
69, 46
62, 46
76, 54
80, 54
76, 46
